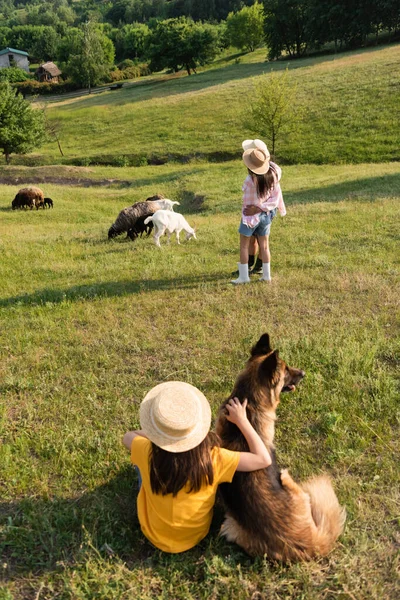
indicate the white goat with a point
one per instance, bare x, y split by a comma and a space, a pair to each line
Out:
167, 204
167, 221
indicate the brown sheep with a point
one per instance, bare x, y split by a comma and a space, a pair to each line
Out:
28, 197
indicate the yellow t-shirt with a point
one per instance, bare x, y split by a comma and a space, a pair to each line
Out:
175, 524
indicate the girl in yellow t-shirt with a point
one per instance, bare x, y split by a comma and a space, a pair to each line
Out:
181, 463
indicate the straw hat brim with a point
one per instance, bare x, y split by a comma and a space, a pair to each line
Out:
252, 144
164, 441
261, 170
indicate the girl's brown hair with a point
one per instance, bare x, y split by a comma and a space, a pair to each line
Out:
171, 471
264, 183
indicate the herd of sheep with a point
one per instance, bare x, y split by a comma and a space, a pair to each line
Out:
133, 220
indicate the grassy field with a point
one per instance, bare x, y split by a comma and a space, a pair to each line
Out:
350, 107
88, 325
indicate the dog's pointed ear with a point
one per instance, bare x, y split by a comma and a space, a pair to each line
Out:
270, 364
262, 347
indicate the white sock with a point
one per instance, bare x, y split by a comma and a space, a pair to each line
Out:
266, 275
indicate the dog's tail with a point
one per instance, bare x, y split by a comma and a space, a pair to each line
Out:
328, 515
148, 219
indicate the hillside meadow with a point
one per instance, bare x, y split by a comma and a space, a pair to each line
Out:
348, 105
88, 326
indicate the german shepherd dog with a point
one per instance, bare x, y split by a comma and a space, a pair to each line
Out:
268, 513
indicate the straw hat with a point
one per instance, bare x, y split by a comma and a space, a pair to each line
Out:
256, 160
175, 416
249, 144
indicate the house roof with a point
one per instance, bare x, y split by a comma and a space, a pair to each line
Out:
51, 68
13, 51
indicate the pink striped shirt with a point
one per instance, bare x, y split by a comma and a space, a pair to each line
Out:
274, 198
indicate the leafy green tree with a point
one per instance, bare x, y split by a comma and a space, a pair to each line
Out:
5, 34
181, 43
92, 54
245, 29
39, 41
287, 26
131, 41
273, 110
22, 128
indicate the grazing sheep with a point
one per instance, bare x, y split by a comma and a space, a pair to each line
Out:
139, 228
48, 202
28, 197
129, 216
131, 219
169, 222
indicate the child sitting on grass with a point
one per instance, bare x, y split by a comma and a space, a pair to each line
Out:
181, 464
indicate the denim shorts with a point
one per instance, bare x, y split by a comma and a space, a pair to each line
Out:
262, 229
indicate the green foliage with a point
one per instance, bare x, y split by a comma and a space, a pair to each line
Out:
40, 41
131, 41
286, 26
181, 43
13, 74
33, 87
91, 56
245, 28
5, 35
21, 127
273, 109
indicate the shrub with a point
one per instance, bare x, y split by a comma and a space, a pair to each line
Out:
13, 74
33, 87
132, 72
126, 63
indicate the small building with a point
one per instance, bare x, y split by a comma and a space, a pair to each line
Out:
48, 71
9, 57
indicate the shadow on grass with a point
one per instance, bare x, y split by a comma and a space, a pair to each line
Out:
44, 535
366, 189
39, 533
109, 289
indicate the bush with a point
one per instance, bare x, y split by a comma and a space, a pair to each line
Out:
126, 63
34, 87
13, 74
132, 72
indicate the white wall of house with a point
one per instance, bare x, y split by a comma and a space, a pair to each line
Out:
20, 60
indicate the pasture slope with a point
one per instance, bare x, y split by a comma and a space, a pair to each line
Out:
88, 325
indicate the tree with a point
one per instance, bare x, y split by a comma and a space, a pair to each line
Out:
245, 29
273, 110
92, 54
131, 41
39, 41
22, 127
287, 26
181, 43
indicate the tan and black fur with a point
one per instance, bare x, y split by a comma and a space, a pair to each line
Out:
267, 511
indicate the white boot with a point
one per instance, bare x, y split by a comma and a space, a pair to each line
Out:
266, 272
243, 274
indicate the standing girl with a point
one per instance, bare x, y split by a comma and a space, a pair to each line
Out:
262, 196
181, 464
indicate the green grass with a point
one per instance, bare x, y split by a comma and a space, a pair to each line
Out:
350, 105
88, 325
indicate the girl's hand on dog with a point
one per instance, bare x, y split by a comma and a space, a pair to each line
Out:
236, 411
